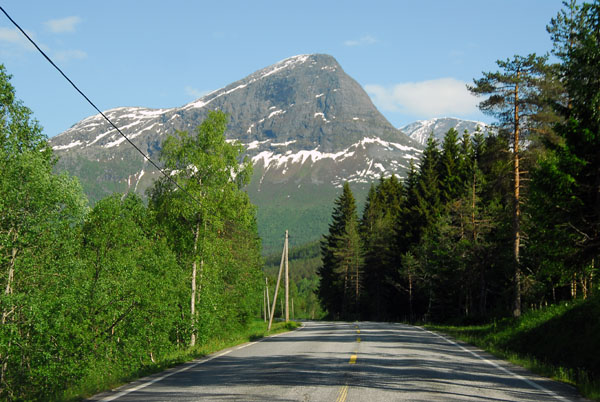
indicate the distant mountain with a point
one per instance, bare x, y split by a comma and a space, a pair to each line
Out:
421, 130
306, 125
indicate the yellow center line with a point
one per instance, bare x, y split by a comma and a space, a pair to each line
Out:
358, 331
352, 359
342, 394
358, 339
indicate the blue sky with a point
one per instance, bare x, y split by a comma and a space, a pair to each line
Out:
412, 57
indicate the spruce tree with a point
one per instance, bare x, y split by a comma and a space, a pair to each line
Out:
449, 175
341, 273
565, 187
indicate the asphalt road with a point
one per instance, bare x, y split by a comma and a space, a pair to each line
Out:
363, 361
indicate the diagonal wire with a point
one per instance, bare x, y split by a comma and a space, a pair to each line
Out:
146, 157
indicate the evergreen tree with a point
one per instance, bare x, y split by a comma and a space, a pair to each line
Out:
514, 98
341, 273
427, 193
451, 184
379, 221
566, 199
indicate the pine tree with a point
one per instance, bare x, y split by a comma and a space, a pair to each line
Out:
514, 98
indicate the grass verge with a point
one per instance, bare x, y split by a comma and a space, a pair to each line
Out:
101, 380
561, 342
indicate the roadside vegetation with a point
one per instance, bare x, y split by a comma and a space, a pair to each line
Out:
101, 380
92, 295
501, 229
559, 341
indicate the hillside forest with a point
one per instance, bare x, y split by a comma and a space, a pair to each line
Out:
485, 225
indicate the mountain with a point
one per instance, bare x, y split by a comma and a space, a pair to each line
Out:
306, 125
421, 130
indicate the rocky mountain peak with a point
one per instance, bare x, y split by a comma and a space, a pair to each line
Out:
306, 125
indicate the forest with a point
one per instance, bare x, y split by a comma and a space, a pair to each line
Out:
486, 224
89, 291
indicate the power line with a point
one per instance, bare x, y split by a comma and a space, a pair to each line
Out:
205, 216
146, 157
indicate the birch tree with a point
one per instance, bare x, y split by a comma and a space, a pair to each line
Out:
209, 174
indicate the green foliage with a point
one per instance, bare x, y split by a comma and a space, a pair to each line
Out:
40, 215
132, 284
565, 198
211, 224
378, 226
463, 249
341, 273
90, 296
559, 341
436, 248
513, 92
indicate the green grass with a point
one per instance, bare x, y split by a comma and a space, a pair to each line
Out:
561, 342
102, 380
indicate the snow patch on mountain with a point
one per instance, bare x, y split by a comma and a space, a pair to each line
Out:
369, 166
421, 130
67, 146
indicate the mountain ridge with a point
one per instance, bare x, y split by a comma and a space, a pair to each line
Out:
306, 125
421, 130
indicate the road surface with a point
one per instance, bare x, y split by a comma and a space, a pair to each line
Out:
364, 361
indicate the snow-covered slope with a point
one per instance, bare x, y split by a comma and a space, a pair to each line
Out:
306, 125
421, 130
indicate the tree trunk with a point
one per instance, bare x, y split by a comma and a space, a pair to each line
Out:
473, 195
591, 276
517, 208
9, 282
193, 298
410, 297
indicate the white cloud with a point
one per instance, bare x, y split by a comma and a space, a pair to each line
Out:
63, 25
195, 93
13, 42
432, 98
363, 41
13, 36
66, 55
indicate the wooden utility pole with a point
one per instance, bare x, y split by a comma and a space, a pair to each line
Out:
265, 304
283, 256
268, 308
287, 280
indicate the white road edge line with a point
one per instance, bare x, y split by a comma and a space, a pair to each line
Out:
185, 368
507, 371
